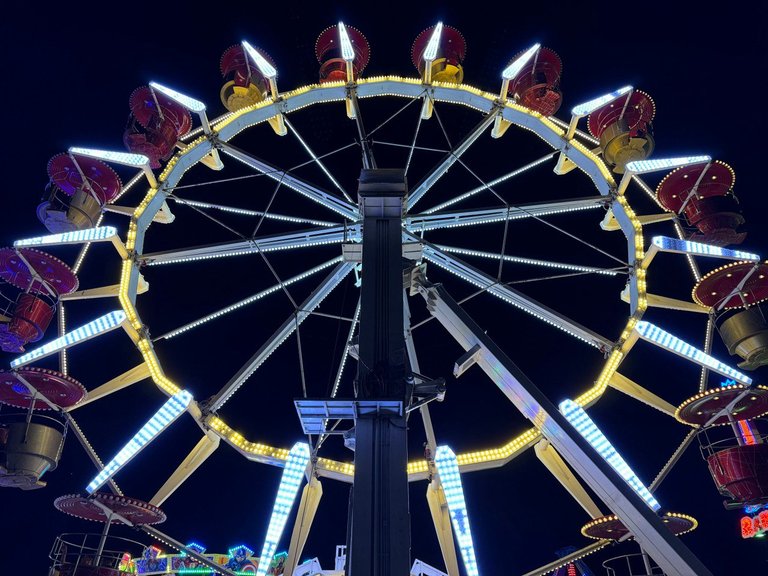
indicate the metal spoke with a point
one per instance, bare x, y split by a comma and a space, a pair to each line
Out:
300, 239
317, 160
487, 186
533, 261
310, 191
438, 171
282, 333
517, 299
246, 212
411, 147
424, 222
240, 303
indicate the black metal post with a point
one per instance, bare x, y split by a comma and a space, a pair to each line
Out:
379, 532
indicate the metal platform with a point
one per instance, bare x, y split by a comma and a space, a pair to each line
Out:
315, 414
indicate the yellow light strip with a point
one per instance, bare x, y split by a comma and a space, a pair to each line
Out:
498, 454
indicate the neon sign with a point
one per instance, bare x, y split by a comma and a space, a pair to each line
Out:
754, 526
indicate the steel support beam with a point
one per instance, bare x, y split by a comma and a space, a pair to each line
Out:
378, 538
441, 516
199, 454
648, 529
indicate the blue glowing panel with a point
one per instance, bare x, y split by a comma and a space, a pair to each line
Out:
75, 237
346, 45
514, 68
643, 166
698, 249
430, 52
584, 425
592, 105
293, 474
266, 69
92, 329
450, 478
168, 412
656, 335
125, 158
188, 103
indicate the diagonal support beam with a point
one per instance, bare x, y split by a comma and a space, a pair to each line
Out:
424, 222
287, 328
346, 209
517, 299
135, 374
310, 500
199, 454
301, 239
559, 469
441, 517
450, 159
631, 388
646, 526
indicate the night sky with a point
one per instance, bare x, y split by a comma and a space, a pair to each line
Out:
68, 75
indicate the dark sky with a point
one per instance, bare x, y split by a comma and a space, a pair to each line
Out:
68, 75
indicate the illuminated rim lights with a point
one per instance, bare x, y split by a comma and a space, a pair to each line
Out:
396, 86
168, 412
293, 474
611, 527
450, 478
729, 270
698, 409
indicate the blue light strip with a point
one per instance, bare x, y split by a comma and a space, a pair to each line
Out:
584, 425
293, 475
450, 478
645, 166
698, 249
592, 105
92, 329
657, 336
172, 409
75, 237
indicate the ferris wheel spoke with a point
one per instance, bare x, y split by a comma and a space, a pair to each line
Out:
414, 363
451, 158
533, 261
244, 302
487, 185
318, 161
424, 222
517, 299
301, 239
570, 558
310, 191
282, 333
245, 212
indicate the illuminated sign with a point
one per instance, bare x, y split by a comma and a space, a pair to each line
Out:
754, 526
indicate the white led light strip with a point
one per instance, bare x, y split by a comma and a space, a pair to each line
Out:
584, 425
450, 478
249, 300
656, 335
168, 412
92, 329
293, 475
75, 237
699, 249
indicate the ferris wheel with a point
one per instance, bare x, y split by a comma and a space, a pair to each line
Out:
281, 195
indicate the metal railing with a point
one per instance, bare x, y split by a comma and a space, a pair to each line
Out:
77, 554
639, 564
